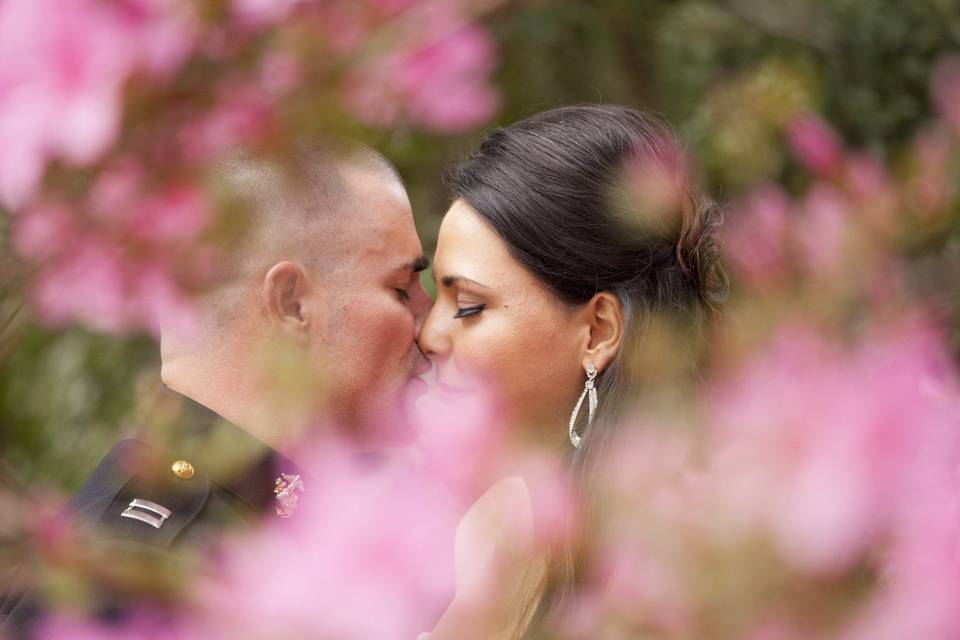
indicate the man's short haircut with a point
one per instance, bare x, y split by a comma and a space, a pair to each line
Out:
287, 207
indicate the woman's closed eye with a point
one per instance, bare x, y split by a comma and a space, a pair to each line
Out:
468, 310
403, 294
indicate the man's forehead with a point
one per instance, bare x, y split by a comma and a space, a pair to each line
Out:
379, 233
377, 182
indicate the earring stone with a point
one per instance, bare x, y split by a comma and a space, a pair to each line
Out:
590, 393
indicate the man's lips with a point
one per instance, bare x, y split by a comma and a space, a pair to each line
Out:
422, 367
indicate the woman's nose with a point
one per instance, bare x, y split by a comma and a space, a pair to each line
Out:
432, 338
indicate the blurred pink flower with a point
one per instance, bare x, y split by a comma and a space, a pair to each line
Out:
176, 215
822, 228
96, 283
61, 69
241, 116
260, 13
755, 240
816, 145
778, 628
280, 73
945, 89
40, 232
162, 33
63, 64
646, 587
87, 284
113, 196
162, 302
362, 540
440, 81
869, 186
931, 187
138, 626
823, 446
460, 439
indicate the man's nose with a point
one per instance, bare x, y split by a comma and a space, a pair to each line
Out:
420, 304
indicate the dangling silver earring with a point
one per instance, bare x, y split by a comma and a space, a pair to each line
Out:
589, 391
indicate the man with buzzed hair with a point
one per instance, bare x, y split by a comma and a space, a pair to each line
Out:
312, 326
326, 272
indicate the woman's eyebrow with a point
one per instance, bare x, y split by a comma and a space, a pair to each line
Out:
449, 281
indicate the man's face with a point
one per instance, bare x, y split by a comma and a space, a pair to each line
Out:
373, 305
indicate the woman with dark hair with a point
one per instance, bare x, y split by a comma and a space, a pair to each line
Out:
547, 273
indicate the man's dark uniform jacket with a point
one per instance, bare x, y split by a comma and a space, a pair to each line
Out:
207, 476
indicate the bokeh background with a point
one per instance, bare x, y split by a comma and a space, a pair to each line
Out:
809, 492
729, 75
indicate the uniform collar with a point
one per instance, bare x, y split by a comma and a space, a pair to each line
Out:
237, 463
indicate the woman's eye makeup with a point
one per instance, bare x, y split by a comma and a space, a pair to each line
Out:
466, 312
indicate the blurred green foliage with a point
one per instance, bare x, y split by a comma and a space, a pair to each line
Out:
727, 74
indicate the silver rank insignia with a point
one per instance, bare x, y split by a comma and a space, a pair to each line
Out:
146, 511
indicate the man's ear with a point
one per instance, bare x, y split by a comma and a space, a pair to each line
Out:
603, 317
282, 294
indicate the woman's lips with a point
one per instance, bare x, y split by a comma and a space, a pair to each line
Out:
453, 390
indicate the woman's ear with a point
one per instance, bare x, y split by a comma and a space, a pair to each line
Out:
284, 288
604, 318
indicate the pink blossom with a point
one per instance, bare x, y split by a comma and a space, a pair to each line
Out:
945, 89
778, 628
868, 184
178, 215
822, 228
87, 283
816, 145
280, 73
647, 587
755, 240
657, 180
460, 438
140, 625
931, 187
62, 70
166, 218
98, 284
241, 116
163, 33
367, 536
821, 446
115, 193
260, 13
441, 82
41, 231
64, 64
162, 302
360, 542
347, 26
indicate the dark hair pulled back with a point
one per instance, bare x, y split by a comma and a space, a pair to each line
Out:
548, 186
544, 185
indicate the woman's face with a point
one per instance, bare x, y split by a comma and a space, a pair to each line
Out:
495, 321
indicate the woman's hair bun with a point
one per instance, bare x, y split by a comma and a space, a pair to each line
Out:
698, 250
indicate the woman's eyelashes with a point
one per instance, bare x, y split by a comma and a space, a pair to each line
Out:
403, 294
466, 312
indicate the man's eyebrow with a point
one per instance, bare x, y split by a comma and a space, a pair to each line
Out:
449, 281
418, 264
